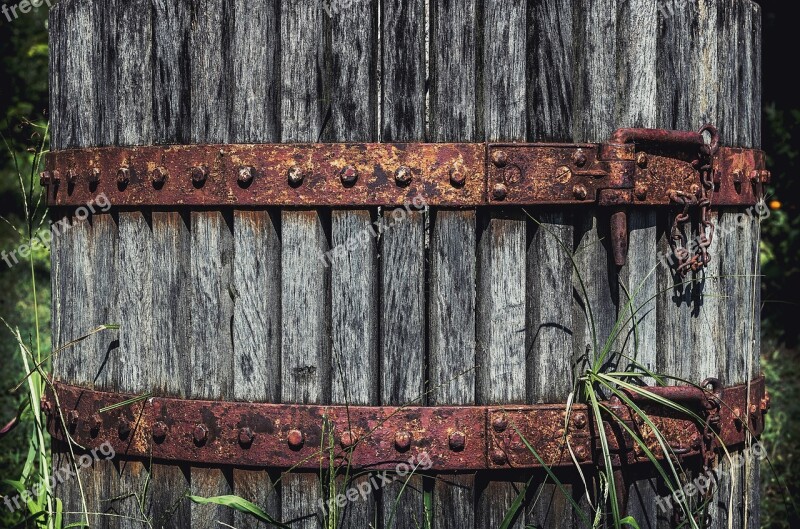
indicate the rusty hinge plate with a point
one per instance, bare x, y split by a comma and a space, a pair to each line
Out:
449, 438
382, 174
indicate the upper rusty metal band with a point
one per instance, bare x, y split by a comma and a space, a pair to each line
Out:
647, 173
452, 438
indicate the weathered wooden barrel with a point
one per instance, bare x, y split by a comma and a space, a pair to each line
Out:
259, 275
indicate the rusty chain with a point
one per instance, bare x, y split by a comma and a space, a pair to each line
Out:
694, 256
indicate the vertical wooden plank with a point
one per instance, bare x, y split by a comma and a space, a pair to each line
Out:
549, 269
402, 264
455, 115
500, 356
211, 242
354, 268
172, 328
253, 56
305, 347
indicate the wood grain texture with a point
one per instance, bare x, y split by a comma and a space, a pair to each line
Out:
171, 79
305, 356
134, 72
402, 248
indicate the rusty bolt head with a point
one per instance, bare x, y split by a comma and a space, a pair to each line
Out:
457, 177
246, 437
580, 421
123, 176
580, 192
159, 431
500, 423
56, 176
200, 434
97, 423
47, 407
563, 174
755, 176
348, 175
641, 160
45, 177
694, 189
640, 191
72, 175
498, 457
753, 409
124, 428
94, 175
245, 175
402, 441
349, 439
765, 176
581, 454
159, 176
766, 403
579, 158
500, 158
295, 175
696, 442
737, 177
295, 438
199, 175
72, 418
500, 192
403, 175
737, 415
457, 441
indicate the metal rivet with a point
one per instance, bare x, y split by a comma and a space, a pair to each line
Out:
47, 407
245, 175
457, 441
498, 457
124, 428
640, 191
348, 175
500, 423
56, 176
766, 403
737, 415
753, 409
580, 421
737, 177
580, 453
500, 192
765, 176
97, 423
580, 192
159, 176
72, 418
579, 158
72, 176
123, 176
159, 431
755, 175
199, 175
500, 158
563, 174
246, 437
94, 175
45, 177
295, 175
295, 439
457, 177
641, 160
403, 175
200, 433
349, 439
402, 441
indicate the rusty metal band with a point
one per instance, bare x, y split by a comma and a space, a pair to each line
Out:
453, 438
371, 174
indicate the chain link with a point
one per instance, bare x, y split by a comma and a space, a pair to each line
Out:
691, 257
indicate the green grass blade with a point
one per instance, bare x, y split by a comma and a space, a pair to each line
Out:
239, 504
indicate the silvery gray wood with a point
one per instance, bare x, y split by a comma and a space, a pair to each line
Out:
171, 79
402, 248
305, 348
253, 57
501, 277
455, 115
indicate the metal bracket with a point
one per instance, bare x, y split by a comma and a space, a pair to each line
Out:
452, 438
636, 167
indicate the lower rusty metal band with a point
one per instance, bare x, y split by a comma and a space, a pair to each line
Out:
452, 438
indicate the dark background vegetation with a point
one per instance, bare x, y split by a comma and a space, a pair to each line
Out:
23, 100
